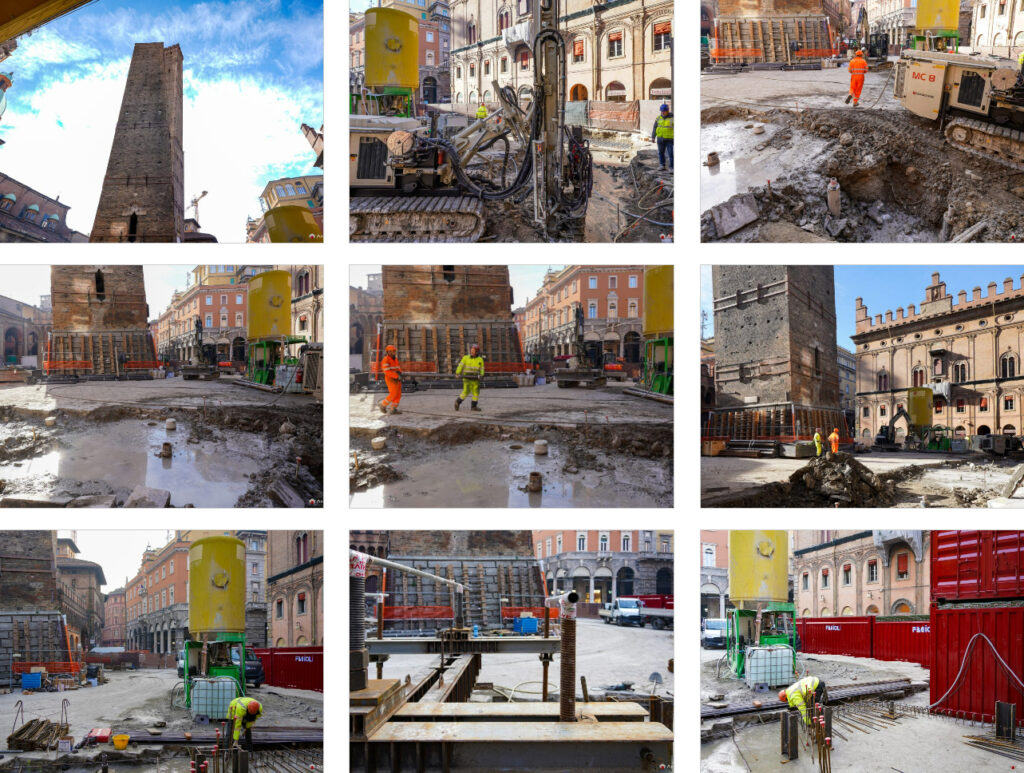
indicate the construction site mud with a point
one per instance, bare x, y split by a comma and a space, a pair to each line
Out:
218, 457
841, 480
898, 179
481, 464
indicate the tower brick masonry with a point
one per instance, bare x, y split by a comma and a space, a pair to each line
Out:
143, 191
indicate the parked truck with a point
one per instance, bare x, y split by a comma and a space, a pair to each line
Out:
658, 610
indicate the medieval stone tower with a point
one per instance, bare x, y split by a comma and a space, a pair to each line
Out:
143, 191
775, 336
99, 314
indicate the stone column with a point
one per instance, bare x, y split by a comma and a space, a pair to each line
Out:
590, 599
721, 603
614, 591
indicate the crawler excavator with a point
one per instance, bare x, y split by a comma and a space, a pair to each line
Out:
411, 182
975, 99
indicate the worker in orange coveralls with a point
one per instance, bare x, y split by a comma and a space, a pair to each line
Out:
833, 440
393, 379
858, 69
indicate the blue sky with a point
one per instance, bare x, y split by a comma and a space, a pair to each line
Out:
885, 288
253, 73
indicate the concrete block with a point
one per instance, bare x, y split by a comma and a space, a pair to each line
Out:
34, 501
143, 496
734, 214
94, 501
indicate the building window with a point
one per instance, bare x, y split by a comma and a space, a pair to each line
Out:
592, 310
163, 572
577, 51
662, 35
301, 604
558, 544
883, 381
633, 309
430, 37
805, 581
939, 404
1008, 403
960, 407
581, 541
471, 38
487, 67
603, 542
524, 60
881, 410
163, 598
302, 548
209, 320
632, 281
708, 555
5, 205
238, 319
615, 45
626, 541
866, 412
1008, 366
903, 566
937, 366
960, 372
847, 575
547, 546
472, 69
209, 300
1002, 7
170, 594
279, 609
504, 64
983, 9
223, 319
223, 300
918, 377
592, 282
983, 405
540, 553
458, 74
613, 310
824, 578
613, 282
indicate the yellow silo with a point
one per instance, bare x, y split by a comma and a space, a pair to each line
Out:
270, 305
658, 302
392, 49
292, 225
758, 566
919, 406
216, 586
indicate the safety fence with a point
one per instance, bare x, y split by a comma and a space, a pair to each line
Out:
419, 613
510, 613
776, 38
867, 637
431, 367
300, 668
783, 422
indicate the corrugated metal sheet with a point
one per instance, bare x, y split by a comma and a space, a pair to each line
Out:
971, 565
909, 641
836, 635
984, 681
299, 667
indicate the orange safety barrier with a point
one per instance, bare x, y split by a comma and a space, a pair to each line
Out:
817, 52
538, 612
719, 53
407, 367
418, 613
52, 667
67, 364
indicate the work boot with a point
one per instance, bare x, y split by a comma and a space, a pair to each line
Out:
383, 408
856, 104
458, 402
662, 167
474, 408
394, 410
848, 98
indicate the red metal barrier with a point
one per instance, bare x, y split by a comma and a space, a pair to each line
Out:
984, 681
301, 668
837, 635
969, 565
419, 613
906, 640
65, 667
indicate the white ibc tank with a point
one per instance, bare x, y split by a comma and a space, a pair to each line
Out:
771, 666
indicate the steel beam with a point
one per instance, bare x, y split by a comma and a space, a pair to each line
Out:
530, 711
839, 693
456, 683
427, 645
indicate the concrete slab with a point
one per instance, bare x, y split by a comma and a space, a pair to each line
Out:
94, 501
423, 412
734, 214
143, 496
34, 501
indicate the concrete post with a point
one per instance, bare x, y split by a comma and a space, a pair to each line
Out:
721, 604
613, 589
590, 598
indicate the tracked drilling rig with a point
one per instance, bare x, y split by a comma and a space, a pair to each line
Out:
410, 183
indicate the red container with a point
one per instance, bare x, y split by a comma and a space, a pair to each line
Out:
299, 667
975, 565
837, 635
984, 681
906, 640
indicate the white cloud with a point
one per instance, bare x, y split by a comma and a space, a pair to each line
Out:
38, 52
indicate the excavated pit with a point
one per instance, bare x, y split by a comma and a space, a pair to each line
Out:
219, 457
483, 465
899, 180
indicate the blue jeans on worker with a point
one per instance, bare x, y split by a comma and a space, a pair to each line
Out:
665, 146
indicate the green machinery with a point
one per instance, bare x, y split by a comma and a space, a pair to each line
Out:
656, 373
216, 618
269, 304
265, 356
776, 624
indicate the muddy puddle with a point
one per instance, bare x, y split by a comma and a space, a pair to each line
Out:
493, 474
742, 165
116, 457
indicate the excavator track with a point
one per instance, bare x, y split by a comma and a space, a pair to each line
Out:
416, 219
1000, 144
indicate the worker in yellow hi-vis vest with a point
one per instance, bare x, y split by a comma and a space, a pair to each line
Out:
471, 368
664, 133
800, 695
244, 712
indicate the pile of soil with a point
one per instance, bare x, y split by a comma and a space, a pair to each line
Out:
900, 181
373, 470
840, 478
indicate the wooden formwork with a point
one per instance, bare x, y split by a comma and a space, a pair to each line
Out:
783, 422
99, 353
750, 41
437, 348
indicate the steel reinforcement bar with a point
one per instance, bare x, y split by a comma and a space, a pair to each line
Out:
842, 692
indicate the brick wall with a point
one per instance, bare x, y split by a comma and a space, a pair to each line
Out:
461, 543
36, 636
442, 294
77, 303
755, 8
256, 625
28, 571
775, 335
143, 192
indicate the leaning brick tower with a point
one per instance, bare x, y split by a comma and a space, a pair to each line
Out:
143, 190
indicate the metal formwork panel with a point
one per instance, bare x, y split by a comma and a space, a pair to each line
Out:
906, 640
837, 635
968, 565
